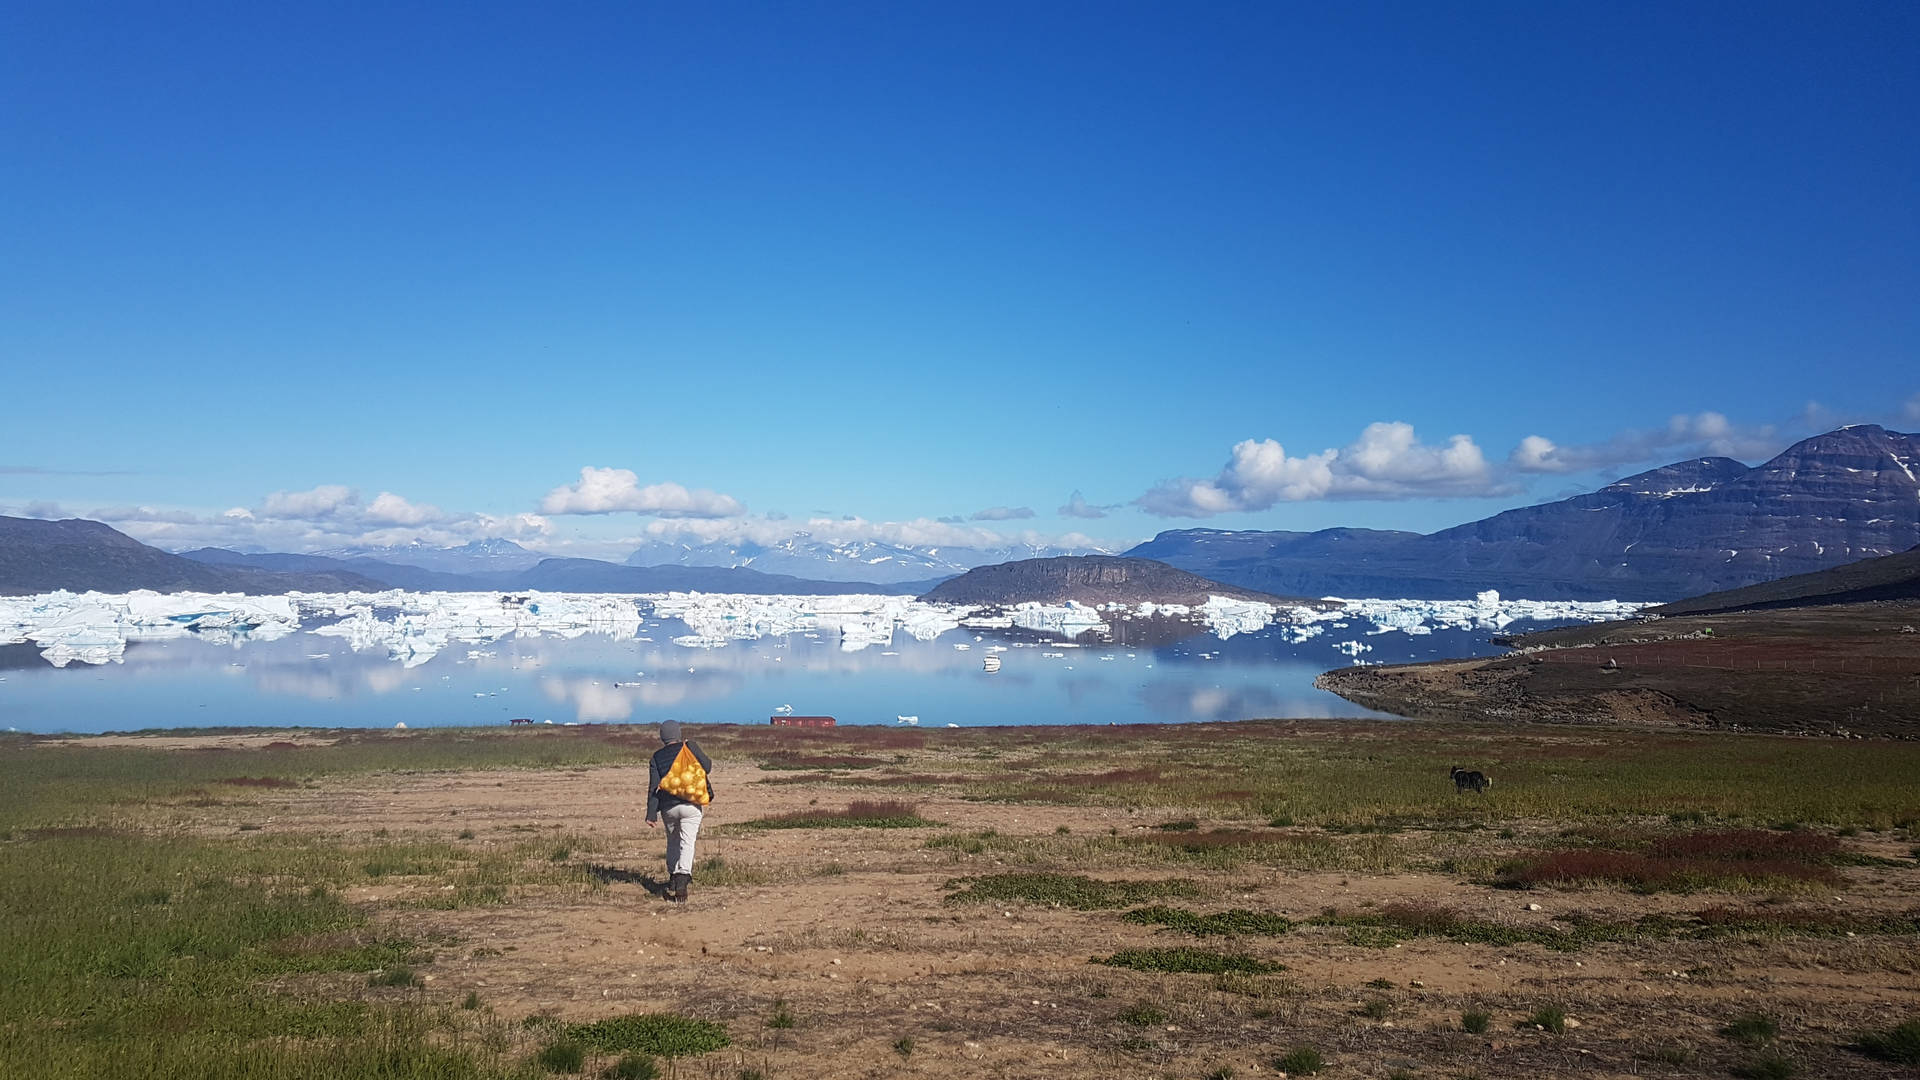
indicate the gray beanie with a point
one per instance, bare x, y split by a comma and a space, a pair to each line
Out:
670, 731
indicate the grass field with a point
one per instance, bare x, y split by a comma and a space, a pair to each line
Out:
459, 903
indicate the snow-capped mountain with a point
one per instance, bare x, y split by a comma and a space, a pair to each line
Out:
480, 556
1691, 527
801, 555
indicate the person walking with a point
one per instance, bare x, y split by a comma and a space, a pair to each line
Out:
678, 790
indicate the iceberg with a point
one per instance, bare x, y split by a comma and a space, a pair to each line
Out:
414, 627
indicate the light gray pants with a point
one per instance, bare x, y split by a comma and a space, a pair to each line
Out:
683, 828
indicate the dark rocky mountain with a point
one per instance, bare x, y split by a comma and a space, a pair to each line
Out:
1680, 530
1087, 579
386, 575
1889, 577
558, 575
41, 556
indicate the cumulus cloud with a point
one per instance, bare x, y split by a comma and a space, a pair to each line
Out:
1003, 513
329, 516
324, 501
1078, 507
607, 491
391, 509
1387, 461
1703, 434
919, 532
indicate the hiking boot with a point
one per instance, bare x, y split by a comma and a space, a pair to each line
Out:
677, 887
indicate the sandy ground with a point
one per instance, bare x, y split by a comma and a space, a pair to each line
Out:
849, 927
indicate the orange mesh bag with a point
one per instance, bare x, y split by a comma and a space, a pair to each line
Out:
687, 780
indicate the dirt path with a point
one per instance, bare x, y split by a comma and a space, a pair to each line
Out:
851, 929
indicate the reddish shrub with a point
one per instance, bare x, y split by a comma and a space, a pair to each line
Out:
1748, 844
1660, 873
790, 759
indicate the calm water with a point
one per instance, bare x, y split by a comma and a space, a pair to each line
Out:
310, 680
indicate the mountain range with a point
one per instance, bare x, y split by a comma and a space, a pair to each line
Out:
552, 575
41, 556
803, 555
1696, 526
1087, 579
1692, 527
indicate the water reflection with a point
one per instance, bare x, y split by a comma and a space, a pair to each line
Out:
1148, 673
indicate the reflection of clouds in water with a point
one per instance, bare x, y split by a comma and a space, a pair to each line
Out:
1193, 701
592, 701
599, 700
385, 678
324, 679
295, 682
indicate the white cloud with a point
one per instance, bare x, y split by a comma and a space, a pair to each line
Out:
1910, 412
919, 532
1387, 461
1696, 434
391, 509
1079, 507
1003, 513
142, 514
607, 491
326, 500
325, 517
512, 527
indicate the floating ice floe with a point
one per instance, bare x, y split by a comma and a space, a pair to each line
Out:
412, 627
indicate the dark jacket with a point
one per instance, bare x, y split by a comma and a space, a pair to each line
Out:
661, 765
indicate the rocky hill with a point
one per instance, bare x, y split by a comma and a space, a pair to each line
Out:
554, 575
42, 556
1692, 527
1890, 577
1088, 579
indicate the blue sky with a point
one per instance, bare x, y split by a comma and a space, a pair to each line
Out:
1204, 264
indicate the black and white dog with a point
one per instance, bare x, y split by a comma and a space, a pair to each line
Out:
1464, 779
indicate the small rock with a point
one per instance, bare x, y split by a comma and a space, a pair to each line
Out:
1417, 985
1533, 907
1572, 1023
835, 960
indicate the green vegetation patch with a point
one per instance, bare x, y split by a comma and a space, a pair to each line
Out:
1300, 1061
664, 1034
1185, 960
1724, 920
1238, 921
1395, 923
1899, 1044
1074, 891
1754, 1028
